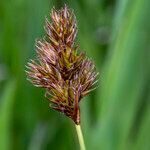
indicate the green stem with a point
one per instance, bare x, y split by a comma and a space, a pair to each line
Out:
80, 137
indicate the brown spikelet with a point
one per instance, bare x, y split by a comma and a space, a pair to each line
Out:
66, 74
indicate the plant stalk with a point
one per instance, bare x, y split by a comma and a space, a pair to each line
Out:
80, 137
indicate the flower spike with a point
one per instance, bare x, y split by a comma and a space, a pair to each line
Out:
66, 74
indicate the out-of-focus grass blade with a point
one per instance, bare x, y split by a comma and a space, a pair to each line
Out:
6, 104
121, 8
125, 77
142, 142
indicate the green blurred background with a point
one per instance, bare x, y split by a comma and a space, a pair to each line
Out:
116, 116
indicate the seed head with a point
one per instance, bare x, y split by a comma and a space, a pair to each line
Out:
66, 74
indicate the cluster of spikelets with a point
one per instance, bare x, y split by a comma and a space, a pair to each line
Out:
66, 74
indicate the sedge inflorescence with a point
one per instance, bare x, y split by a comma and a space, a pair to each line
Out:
66, 74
